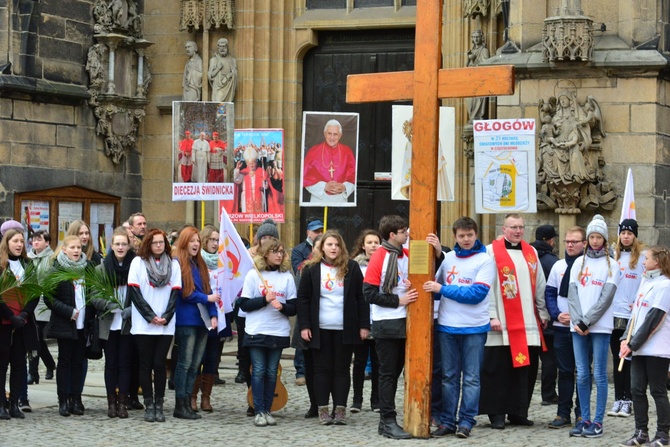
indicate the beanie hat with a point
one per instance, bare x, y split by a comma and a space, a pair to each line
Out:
267, 228
628, 224
597, 225
545, 232
10, 225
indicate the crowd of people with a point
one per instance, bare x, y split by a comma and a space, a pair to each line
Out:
498, 310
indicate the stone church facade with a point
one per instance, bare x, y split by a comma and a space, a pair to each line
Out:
62, 127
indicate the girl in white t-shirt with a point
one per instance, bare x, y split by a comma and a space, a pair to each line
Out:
650, 347
592, 288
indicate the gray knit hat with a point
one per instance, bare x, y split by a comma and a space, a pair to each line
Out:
597, 225
267, 228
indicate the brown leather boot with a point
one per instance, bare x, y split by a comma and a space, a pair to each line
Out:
111, 405
121, 409
194, 392
207, 384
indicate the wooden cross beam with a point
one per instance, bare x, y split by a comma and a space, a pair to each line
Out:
425, 86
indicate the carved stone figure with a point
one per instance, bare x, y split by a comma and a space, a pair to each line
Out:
474, 8
223, 73
192, 81
568, 166
477, 54
94, 66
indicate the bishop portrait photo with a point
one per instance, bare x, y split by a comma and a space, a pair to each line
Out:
329, 159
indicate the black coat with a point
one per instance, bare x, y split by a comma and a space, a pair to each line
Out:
62, 305
356, 310
546, 254
29, 330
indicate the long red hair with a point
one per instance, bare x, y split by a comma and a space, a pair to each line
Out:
180, 251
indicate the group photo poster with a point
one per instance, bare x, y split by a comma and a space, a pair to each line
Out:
505, 166
202, 150
401, 166
257, 176
329, 159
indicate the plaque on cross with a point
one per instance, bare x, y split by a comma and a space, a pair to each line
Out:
425, 86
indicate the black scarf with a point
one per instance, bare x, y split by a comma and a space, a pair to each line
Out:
565, 282
120, 271
391, 276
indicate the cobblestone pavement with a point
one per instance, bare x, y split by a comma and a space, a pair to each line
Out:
228, 425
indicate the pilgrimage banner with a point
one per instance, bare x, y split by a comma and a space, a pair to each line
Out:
505, 166
258, 176
329, 159
401, 164
202, 142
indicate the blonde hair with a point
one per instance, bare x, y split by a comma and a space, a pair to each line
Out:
269, 244
662, 256
636, 250
73, 230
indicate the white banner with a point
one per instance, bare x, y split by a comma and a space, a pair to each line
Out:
202, 191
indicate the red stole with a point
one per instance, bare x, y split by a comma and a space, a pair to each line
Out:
509, 289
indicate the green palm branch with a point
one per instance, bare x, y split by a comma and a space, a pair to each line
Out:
99, 283
28, 287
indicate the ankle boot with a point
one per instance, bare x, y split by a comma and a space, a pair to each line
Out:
3, 411
194, 393
76, 406
14, 410
207, 385
340, 415
112, 405
393, 430
324, 416
149, 411
121, 409
181, 409
158, 409
50, 374
63, 406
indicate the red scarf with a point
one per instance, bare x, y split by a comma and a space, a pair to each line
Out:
509, 288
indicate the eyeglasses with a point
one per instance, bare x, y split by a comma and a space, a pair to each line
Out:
274, 252
158, 243
120, 244
566, 242
517, 228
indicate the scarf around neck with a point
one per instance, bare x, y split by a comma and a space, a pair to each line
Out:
159, 272
565, 281
391, 276
120, 270
69, 264
477, 248
211, 259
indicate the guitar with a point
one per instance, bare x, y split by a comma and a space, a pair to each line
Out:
280, 396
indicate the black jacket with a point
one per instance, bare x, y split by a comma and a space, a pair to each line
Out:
29, 330
547, 257
62, 305
356, 310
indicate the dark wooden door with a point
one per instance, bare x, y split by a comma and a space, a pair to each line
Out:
324, 90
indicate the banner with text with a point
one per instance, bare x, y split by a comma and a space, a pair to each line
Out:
202, 150
505, 166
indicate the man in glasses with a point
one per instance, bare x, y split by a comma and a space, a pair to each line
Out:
557, 303
518, 313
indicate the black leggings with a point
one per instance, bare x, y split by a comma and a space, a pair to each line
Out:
153, 351
332, 362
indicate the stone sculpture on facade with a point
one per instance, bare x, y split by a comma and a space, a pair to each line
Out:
192, 80
119, 74
474, 8
207, 14
476, 55
222, 73
570, 176
568, 35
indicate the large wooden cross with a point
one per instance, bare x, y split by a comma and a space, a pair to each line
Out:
426, 85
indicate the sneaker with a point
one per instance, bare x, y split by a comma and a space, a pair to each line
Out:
435, 422
270, 419
300, 381
324, 416
640, 437
24, 405
260, 420
616, 408
660, 439
626, 409
580, 425
559, 422
356, 407
463, 432
594, 430
442, 431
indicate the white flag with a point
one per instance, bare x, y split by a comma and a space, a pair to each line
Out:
628, 209
234, 263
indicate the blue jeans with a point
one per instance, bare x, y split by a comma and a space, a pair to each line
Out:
191, 342
264, 365
585, 346
436, 383
565, 359
461, 354
299, 364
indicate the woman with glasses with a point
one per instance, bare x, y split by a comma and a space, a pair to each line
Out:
154, 284
333, 317
115, 324
269, 299
196, 301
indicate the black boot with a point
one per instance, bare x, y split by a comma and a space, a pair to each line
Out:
33, 379
50, 374
76, 406
3, 411
135, 403
392, 430
158, 410
149, 410
63, 407
112, 405
14, 410
182, 407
